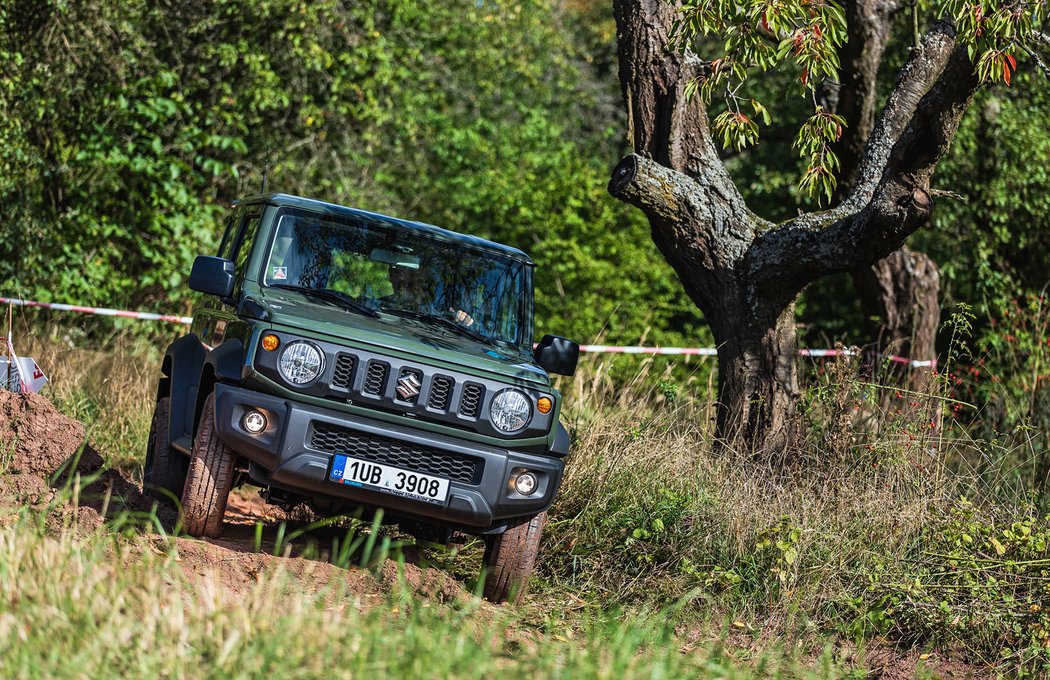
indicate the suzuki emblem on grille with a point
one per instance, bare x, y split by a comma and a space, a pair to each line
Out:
408, 386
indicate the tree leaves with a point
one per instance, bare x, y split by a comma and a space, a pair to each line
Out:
814, 143
805, 37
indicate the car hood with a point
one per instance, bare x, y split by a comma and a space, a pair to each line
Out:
431, 343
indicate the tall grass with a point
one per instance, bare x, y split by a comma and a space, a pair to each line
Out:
101, 607
650, 515
108, 383
649, 511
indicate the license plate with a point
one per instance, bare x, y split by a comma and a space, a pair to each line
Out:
388, 479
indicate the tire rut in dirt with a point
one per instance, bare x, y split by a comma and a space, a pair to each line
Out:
510, 558
208, 480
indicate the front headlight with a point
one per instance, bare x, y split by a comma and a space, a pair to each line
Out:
301, 362
510, 410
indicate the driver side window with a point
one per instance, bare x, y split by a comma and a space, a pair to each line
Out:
227, 238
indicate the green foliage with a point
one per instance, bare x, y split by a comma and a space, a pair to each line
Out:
759, 36
779, 544
814, 141
121, 149
994, 31
972, 579
804, 38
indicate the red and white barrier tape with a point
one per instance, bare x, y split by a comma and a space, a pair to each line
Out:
101, 311
595, 349
620, 349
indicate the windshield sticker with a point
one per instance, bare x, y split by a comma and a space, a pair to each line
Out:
280, 274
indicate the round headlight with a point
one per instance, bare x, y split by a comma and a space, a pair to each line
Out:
301, 362
510, 410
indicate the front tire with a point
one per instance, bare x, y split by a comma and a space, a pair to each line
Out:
510, 558
209, 479
165, 468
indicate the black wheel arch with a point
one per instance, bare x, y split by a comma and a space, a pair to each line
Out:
189, 372
562, 441
224, 363
181, 370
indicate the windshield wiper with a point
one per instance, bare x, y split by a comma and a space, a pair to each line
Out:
422, 316
330, 295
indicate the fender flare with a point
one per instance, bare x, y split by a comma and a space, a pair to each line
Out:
561, 441
224, 363
182, 370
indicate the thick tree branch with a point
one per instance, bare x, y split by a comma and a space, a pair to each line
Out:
869, 24
843, 239
702, 227
924, 66
662, 123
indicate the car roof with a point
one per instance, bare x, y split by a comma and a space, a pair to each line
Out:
422, 228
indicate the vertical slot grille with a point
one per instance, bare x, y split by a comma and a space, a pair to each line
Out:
342, 376
375, 378
470, 403
440, 392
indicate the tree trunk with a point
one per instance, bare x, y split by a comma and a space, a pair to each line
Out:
757, 379
743, 272
901, 291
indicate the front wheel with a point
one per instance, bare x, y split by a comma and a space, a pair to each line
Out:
510, 558
209, 479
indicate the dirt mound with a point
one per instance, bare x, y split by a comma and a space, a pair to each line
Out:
41, 451
35, 439
39, 448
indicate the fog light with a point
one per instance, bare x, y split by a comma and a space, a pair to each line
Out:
525, 483
254, 422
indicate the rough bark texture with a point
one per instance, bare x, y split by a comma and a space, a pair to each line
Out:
902, 291
743, 272
882, 287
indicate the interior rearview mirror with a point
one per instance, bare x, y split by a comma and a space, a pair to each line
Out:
394, 258
212, 276
557, 355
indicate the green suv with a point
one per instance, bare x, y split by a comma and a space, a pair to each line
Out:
350, 360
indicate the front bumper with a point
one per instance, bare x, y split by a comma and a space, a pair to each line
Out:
295, 453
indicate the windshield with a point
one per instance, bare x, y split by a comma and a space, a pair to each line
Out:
401, 274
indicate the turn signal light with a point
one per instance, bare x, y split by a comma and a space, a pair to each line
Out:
544, 404
270, 342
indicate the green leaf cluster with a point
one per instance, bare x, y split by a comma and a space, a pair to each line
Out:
975, 580
744, 39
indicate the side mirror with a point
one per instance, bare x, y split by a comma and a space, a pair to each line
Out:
212, 276
557, 355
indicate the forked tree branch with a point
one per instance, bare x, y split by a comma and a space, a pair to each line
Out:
843, 239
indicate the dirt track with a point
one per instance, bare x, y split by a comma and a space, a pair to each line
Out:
40, 449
